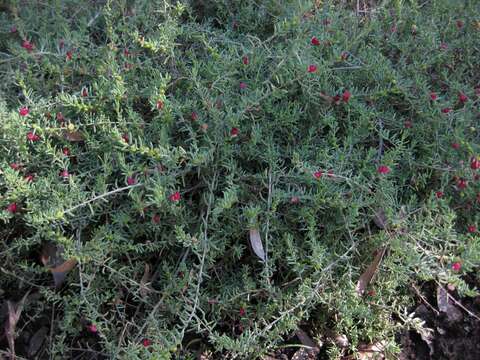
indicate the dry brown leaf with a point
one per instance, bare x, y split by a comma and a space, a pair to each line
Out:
73, 136
372, 351
446, 305
367, 276
14, 312
144, 288
307, 340
256, 243
52, 258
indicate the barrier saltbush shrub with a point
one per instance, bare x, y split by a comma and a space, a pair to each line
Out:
146, 140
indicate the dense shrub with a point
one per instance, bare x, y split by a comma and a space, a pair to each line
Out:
141, 135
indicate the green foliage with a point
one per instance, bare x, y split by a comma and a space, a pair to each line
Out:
154, 89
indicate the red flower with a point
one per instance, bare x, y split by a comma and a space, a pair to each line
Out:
24, 111
462, 97
245, 60
131, 180
408, 124
242, 312
66, 151
383, 169
84, 92
194, 116
159, 105
475, 163
175, 196
14, 166
92, 328
146, 342
457, 266
29, 178
314, 41
446, 110
294, 200
439, 194
443, 46
32, 137
234, 132
12, 208
156, 219
317, 174
312, 68
455, 146
472, 229
462, 184
459, 24
60, 117
27, 45
69, 55
125, 138
242, 85
64, 174
433, 96
346, 96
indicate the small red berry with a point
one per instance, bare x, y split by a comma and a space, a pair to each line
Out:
32, 136
64, 174
242, 85
131, 180
146, 342
344, 55
92, 328
242, 312
346, 96
383, 169
66, 151
455, 146
60, 117
317, 174
433, 96
12, 208
475, 163
312, 68
29, 178
456, 266
14, 166
446, 110
84, 92
27, 45
24, 111
462, 184
69, 55
156, 219
462, 97
125, 138
439, 194
294, 200
459, 24
126, 52
245, 60
234, 132
194, 116
159, 105
314, 41
175, 196
472, 229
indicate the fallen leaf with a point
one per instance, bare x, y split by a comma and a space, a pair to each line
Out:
380, 219
256, 243
52, 258
304, 354
446, 306
306, 340
144, 288
367, 276
14, 312
73, 136
36, 341
371, 351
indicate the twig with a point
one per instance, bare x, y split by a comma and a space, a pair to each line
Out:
425, 300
